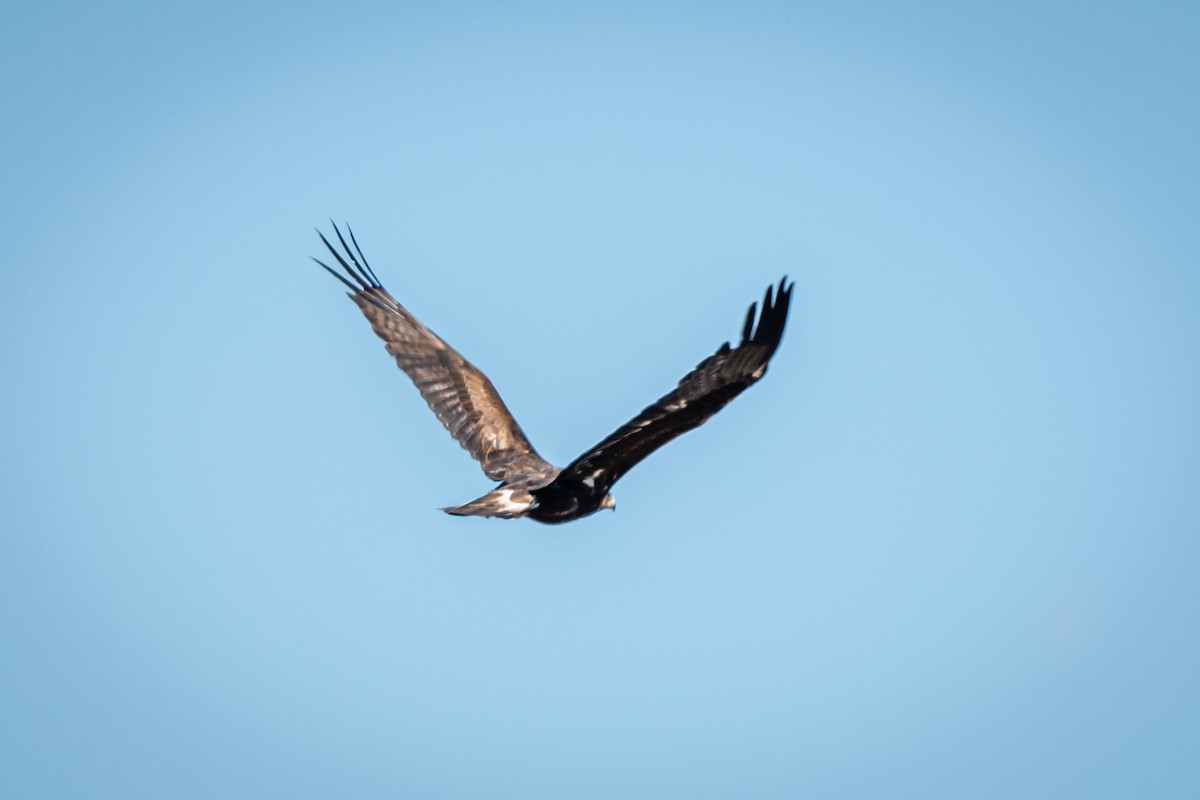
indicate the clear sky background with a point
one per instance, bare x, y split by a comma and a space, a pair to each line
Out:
947, 548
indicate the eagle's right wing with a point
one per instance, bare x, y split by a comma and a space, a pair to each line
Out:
460, 395
701, 393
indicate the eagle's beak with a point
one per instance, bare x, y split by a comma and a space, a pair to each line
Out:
608, 502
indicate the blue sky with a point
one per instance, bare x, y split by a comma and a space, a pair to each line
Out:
947, 548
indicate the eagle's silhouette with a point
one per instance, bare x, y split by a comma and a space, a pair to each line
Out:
471, 409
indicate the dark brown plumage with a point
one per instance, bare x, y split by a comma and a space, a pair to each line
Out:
469, 406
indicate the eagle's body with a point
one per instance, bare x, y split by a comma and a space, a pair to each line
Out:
470, 408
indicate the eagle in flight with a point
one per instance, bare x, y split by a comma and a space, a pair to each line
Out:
469, 406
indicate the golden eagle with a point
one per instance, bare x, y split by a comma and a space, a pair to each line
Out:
471, 409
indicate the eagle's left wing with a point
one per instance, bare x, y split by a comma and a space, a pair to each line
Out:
461, 396
703, 392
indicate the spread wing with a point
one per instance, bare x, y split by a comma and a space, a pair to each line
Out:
460, 395
703, 392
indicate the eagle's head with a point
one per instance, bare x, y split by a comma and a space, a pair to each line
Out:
609, 502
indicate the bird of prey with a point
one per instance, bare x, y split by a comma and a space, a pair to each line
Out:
469, 406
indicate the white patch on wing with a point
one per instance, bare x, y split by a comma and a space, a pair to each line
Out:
758, 373
589, 482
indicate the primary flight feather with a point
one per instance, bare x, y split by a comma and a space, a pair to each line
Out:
469, 406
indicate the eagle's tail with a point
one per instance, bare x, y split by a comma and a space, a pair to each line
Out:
504, 502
